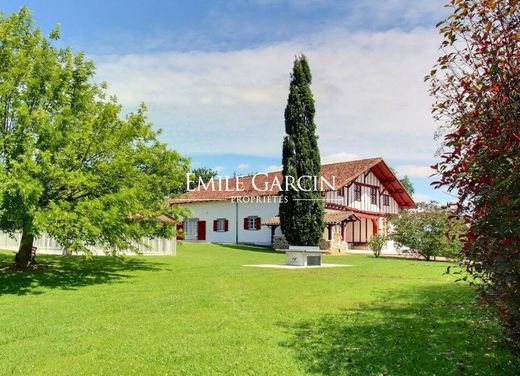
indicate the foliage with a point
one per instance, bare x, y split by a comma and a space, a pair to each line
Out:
70, 165
377, 243
406, 182
408, 185
476, 86
204, 173
302, 214
362, 320
430, 230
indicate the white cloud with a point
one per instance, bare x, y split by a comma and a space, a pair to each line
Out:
219, 169
414, 171
302, 4
420, 197
273, 168
243, 166
369, 91
339, 157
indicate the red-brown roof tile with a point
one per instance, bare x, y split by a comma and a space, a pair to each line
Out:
344, 173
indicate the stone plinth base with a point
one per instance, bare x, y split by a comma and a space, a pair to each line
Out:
303, 256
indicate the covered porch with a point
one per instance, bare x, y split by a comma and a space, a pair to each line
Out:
336, 224
357, 234
352, 228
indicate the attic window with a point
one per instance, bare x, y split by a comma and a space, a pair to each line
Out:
373, 196
386, 200
341, 192
357, 192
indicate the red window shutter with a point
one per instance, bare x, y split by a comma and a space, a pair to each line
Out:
258, 223
180, 228
214, 225
201, 230
246, 223
226, 225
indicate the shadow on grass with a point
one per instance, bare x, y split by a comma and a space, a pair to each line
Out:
248, 248
68, 273
440, 331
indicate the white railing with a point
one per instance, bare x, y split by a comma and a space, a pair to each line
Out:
47, 245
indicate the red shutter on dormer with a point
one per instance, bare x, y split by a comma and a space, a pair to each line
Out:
258, 223
246, 223
226, 225
215, 225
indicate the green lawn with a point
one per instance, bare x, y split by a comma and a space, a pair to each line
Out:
202, 313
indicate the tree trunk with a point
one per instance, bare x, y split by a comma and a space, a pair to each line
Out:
23, 257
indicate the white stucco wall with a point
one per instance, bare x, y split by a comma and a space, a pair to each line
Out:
357, 232
235, 214
209, 211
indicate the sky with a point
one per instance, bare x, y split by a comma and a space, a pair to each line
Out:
215, 74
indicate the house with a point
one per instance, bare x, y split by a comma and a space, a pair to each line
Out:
365, 192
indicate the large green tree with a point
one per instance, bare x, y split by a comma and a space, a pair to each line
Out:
70, 164
302, 211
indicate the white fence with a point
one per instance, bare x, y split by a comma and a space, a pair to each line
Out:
47, 245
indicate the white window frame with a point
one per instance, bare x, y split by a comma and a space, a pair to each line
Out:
221, 224
191, 228
251, 222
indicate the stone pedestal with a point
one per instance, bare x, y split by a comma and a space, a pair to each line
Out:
303, 256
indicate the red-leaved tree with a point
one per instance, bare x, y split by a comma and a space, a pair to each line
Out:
476, 86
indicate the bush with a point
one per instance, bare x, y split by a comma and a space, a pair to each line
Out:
377, 243
430, 230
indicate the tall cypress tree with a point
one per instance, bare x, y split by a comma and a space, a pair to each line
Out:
302, 212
